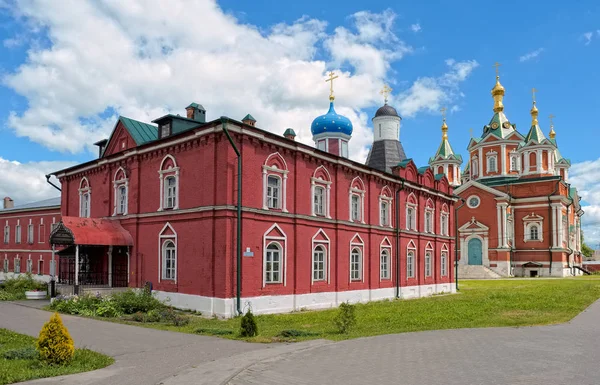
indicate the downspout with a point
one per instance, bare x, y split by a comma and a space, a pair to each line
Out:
50, 183
512, 240
238, 293
550, 216
398, 238
572, 268
456, 240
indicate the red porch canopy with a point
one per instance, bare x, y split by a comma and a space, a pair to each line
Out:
90, 231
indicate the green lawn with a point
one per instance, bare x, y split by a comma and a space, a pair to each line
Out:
17, 370
507, 302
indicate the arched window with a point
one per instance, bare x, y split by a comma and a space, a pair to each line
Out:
319, 200
534, 233
444, 264
475, 167
514, 166
355, 265
410, 264
170, 192
273, 192
169, 184
444, 220
492, 164
120, 185
319, 258
429, 210
428, 263
84, 198
357, 200
385, 264
273, 263
122, 200
169, 260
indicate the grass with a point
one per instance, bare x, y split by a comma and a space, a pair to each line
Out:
17, 370
507, 302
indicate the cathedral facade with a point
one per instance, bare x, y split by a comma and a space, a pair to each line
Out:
519, 215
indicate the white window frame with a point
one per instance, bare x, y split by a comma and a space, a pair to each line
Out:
18, 232
321, 239
475, 166
384, 263
428, 216
357, 268
411, 218
444, 222
170, 194
7, 233
319, 198
167, 233
318, 182
410, 262
169, 252
274, 199
360, 193
269, 251
444, 262
164, 173
30, 233
85, 198
491, 156
17, 265
533, 220
270, 169
514, 157
319, 267
281, 239
428, 262
121, 200
40, 266
385, 208
355, 207
29, 265
344, 148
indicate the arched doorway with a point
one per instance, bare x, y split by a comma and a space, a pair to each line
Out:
475, 252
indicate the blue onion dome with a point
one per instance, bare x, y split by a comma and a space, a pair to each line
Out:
331, 122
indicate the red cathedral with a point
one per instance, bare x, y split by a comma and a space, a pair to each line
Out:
159, 207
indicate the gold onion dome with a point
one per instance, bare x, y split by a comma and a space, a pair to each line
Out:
552, 133
444, 130
498, 94
534, 115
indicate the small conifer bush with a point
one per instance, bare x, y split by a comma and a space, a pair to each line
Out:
55, 343
345, 318
248, 326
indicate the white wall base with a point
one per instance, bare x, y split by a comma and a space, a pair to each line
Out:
558, 270
42, 278
502, 268
226, 307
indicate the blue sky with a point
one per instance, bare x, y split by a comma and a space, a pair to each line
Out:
64, 81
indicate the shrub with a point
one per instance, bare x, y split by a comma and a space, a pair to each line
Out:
141, 301
153, 316
345, 318
181, 320
15, 288
26, 353
54, 343
138, 317
248, 326
293, 333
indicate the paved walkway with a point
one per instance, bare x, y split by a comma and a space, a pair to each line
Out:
548, 355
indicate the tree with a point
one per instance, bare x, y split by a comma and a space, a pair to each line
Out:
587, 251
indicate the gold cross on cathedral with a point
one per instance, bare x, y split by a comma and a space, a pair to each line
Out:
385, 92
496, 64
533, 91
551, 121
331, 77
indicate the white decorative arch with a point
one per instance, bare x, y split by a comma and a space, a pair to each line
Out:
85, 198
385, 207
164, 174
385, 245
84, 179
281, 238
318, 182
168, 156
276, 155
357, 188
428, 246
484, 249
282, 173
357, 243
120, 201
321, 239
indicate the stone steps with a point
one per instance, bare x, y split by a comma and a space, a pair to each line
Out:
476, 272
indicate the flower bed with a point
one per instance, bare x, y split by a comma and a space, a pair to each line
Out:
14, 289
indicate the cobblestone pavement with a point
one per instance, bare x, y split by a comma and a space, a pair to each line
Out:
548, 355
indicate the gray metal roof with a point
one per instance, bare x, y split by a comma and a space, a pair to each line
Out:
386, 110
385, 154
35, 205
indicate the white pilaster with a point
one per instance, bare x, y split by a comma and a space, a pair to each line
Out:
503, 158
480, 162
499, 216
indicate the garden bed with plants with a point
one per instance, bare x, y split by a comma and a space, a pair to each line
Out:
20, 360
14, 289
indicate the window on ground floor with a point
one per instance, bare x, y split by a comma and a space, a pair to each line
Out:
355, 265
273, 263
319, 263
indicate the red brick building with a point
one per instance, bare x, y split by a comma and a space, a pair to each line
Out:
26, 229
317, 229
521, 216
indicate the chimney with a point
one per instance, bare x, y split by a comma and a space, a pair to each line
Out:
101, 146
196, 112
249, 120
289, 134
8, 203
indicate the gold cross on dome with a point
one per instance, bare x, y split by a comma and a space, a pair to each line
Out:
496, 64
331, 77
551, 121
386, 91
443, 111
533, 91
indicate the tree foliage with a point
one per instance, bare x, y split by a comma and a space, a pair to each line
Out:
55, 343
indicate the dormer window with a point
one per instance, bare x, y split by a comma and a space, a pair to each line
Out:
165, 130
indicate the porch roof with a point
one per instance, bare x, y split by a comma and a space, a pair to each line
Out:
90, 231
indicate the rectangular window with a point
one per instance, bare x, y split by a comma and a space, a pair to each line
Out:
319, 207
344, 149
42, 233
444, 224
30, 234
410, 218
444, 264
169, 263
319, 264
410, 264
40, 267
321, 145
6, 234
427, 264
385, 214
355, 265
165, 130
385, 264
18, 234
170, 192
85, 205
17, 266
355, 207
29, 266
122, 200
428, 222
492, 164
5, 267
273, 192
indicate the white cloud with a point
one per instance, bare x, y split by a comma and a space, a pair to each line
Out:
531, 55
428, 94
586, 177
142, 59
26, 182
587, 37
415, 27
